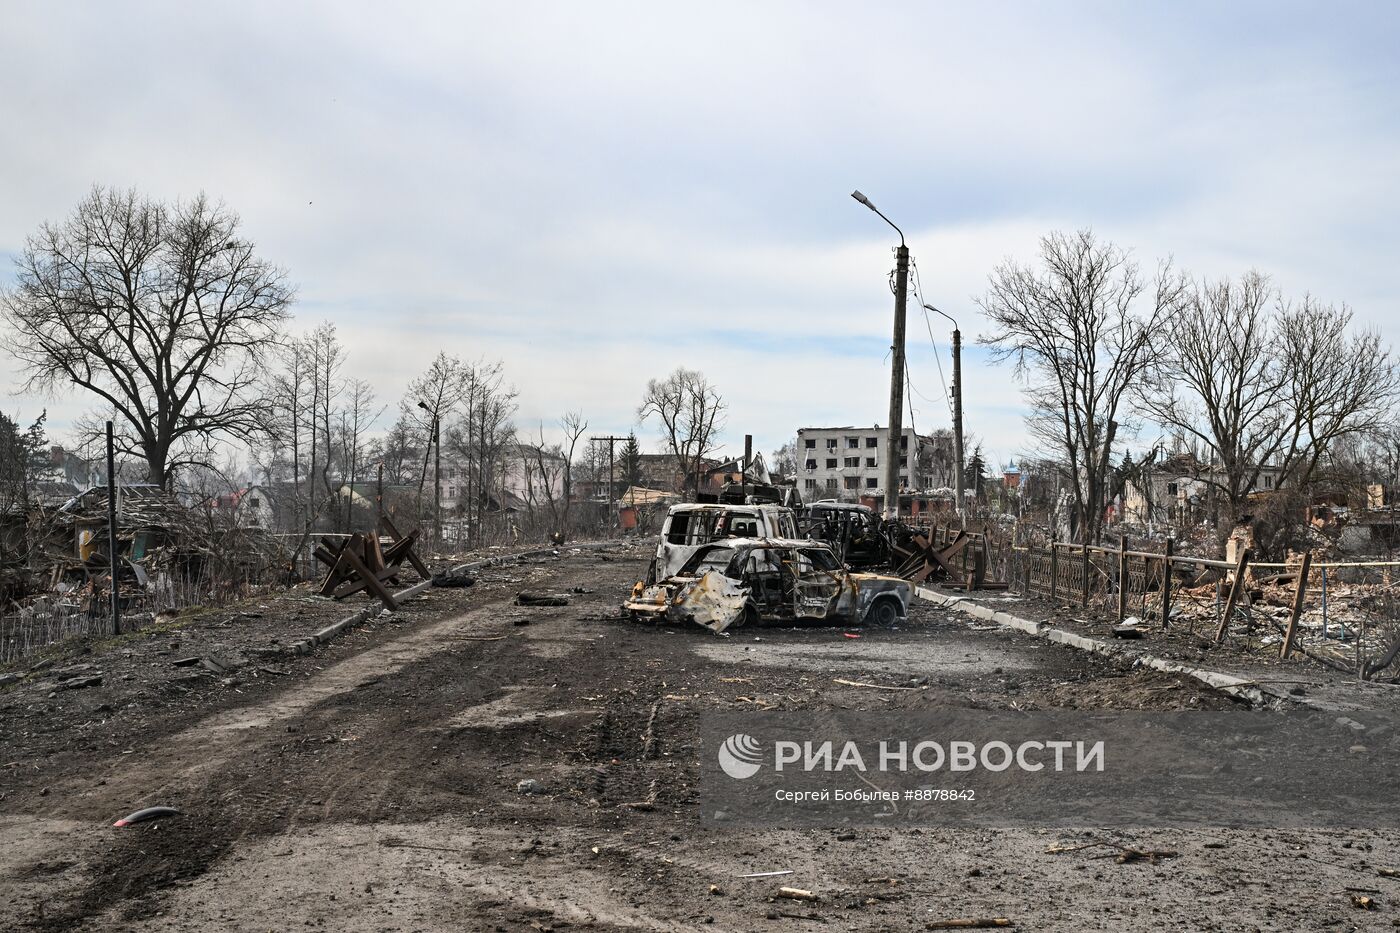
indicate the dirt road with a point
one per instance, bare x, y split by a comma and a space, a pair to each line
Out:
375, 786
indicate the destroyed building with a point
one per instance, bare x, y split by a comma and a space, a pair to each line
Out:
1178, 490
846, 462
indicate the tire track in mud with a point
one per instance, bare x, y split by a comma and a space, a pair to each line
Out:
250, 772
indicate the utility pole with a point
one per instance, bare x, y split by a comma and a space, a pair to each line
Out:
612, 476
112, 531
901, 287
892, 460
437, 483
436, 443
958, 419
744, 472
957, 413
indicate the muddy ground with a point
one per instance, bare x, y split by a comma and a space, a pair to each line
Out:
373, 785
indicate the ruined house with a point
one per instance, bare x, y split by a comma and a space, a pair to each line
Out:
1178, 490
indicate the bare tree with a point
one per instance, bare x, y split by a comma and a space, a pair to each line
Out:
160, 311
289, 386
358, 416
399, 450
479, 438
691, 413
437, 392
327, 358
1080, 340
785, 459
1256, 385
1221, 382
1341, 384
556, 469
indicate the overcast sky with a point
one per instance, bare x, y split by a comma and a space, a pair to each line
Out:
595, 193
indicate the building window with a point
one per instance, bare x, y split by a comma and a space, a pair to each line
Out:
852, 461
831, 463
831, 443
1268, 482
253, 503
853, 482
872, 442
904, 442
852, 442
811, 464
810, 484
811, 443
871, 482
904, 462
1171, 489
870, 462
904, 481
831, 483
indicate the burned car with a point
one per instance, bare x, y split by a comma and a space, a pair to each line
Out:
690, 526
747, 580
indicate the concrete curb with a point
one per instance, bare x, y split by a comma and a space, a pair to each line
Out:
335, 629
1225, 683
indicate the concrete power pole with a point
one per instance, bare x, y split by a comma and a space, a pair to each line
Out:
612, 474
958, 418
892, 451
958, 481
901, 288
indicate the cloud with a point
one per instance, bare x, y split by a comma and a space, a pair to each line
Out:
597, 193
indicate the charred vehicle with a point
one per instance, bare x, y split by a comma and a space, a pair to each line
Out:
744, 581
855, 532
691, 526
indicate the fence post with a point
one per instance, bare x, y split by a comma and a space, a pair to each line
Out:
1084, 566
1167, 583
1235, 589
112, 566
1054, 569
1299, 597
1122, 576
1324, 605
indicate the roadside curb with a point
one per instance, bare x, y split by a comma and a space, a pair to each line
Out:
1225, 683
335, 629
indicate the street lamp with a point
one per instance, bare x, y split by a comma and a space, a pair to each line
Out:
957, 408
901, 285
436, 442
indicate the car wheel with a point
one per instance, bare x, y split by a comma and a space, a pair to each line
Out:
884, 613
748, 617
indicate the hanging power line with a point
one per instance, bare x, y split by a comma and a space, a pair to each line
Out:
942, 380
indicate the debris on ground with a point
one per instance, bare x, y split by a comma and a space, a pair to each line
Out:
1125, 853
149, 813
540, 599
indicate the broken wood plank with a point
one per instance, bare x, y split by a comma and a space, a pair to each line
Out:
1236, 587
1295, 613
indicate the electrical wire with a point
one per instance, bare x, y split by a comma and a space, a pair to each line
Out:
919, 294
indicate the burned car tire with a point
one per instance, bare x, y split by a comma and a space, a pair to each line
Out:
884, 613
750, 617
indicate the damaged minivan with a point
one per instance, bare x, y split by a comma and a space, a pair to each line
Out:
692, 525
745, 581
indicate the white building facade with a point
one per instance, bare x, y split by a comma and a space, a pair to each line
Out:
847, 463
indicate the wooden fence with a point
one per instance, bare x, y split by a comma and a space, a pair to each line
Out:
1301, 601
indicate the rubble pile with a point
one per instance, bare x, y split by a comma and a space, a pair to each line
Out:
170, 556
